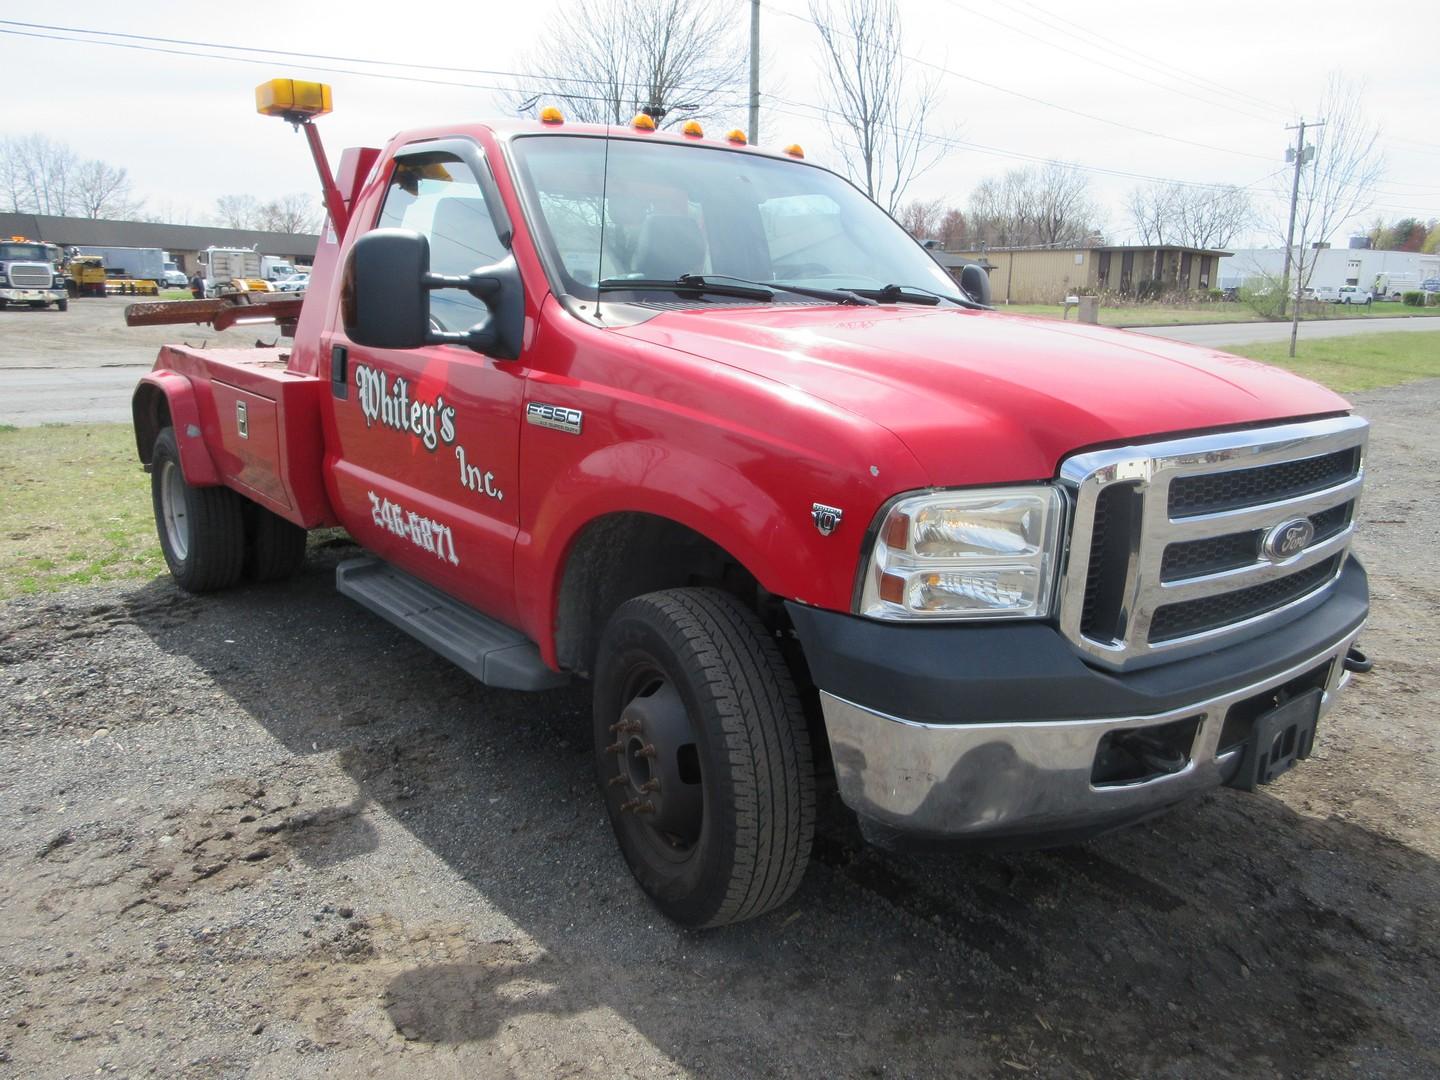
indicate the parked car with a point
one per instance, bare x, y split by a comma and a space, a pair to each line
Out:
293, 283
1353, 294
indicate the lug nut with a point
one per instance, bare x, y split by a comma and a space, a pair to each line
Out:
650, 786
646, 751
627, 727
614, 748
632, 804
644, 807
616, 781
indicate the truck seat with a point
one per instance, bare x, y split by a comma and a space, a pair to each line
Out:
670, 245
462, 237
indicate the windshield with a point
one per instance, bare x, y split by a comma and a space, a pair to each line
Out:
672, 209
13, 252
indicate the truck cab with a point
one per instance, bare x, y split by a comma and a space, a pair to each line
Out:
699, 423
30, 274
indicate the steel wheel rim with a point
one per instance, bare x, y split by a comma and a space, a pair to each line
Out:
172, 509
657, 776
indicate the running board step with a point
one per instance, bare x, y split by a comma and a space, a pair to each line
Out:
490, 651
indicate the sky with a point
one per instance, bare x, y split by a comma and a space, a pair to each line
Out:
1200, 93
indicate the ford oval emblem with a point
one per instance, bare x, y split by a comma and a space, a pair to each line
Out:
1288, 539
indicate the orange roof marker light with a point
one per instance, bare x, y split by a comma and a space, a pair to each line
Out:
693, 129
292, 98
735, 135
643, 122
551, 115
795, 150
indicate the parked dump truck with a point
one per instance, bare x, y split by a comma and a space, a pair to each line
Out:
30, 274
699, 423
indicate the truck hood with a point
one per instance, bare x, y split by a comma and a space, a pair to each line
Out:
979, 396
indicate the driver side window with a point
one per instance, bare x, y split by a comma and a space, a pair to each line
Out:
436, 194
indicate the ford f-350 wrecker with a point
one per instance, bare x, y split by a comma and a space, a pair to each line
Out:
701, 424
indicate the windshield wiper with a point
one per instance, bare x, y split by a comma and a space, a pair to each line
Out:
835, 296
915, 294
726, 285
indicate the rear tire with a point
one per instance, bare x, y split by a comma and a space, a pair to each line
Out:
711, 791
276, 548
202, 530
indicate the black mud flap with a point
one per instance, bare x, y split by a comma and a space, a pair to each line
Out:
1280, 738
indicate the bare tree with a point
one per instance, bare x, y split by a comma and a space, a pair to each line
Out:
37, 172
1062, 209
1338, 183
102, 191
292, 214
1050, 206
879, 108
921, 217
1152, 211
237, 211
952, 229
1189, 214
610, 59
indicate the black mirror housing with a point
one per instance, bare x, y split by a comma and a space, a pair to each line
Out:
384, 300
976, 283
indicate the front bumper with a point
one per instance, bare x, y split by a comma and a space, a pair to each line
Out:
49, 296
994, 732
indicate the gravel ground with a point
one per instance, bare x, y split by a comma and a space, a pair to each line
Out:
264, 834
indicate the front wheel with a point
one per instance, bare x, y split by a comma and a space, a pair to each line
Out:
62, 305
202, 529
703, 756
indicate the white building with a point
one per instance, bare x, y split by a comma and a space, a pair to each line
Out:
1393, 270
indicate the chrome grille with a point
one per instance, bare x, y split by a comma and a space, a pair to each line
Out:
1167, 551
31, 275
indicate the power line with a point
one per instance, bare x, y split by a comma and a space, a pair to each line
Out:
1041, 101
1017, 155
320, 56
1090, 58
1152, 62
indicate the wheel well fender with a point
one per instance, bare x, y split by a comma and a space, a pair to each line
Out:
167, 399
625, 554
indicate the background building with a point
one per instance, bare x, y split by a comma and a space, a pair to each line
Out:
183, 242
1048, 275
1333, 267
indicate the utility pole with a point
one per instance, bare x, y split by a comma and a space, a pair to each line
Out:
1300, 157
754, 71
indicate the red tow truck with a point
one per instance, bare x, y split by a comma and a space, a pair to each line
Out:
701, 424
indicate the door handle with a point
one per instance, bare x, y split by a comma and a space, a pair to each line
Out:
339, 371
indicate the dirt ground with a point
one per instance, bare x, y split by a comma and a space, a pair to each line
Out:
93, 334
264, 834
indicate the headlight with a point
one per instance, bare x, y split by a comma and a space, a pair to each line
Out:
988, 553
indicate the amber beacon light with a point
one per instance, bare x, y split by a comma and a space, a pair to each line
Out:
292, 98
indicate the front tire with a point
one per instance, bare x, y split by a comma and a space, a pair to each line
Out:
62, 305
202, 530
703, 756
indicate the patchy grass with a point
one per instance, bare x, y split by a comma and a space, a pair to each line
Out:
1180, 315
1355, 363
76, 509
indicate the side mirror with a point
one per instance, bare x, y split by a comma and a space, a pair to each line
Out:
976, 283
384, 303
385, 297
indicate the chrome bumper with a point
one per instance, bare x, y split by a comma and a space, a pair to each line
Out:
48, 295
964, 780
